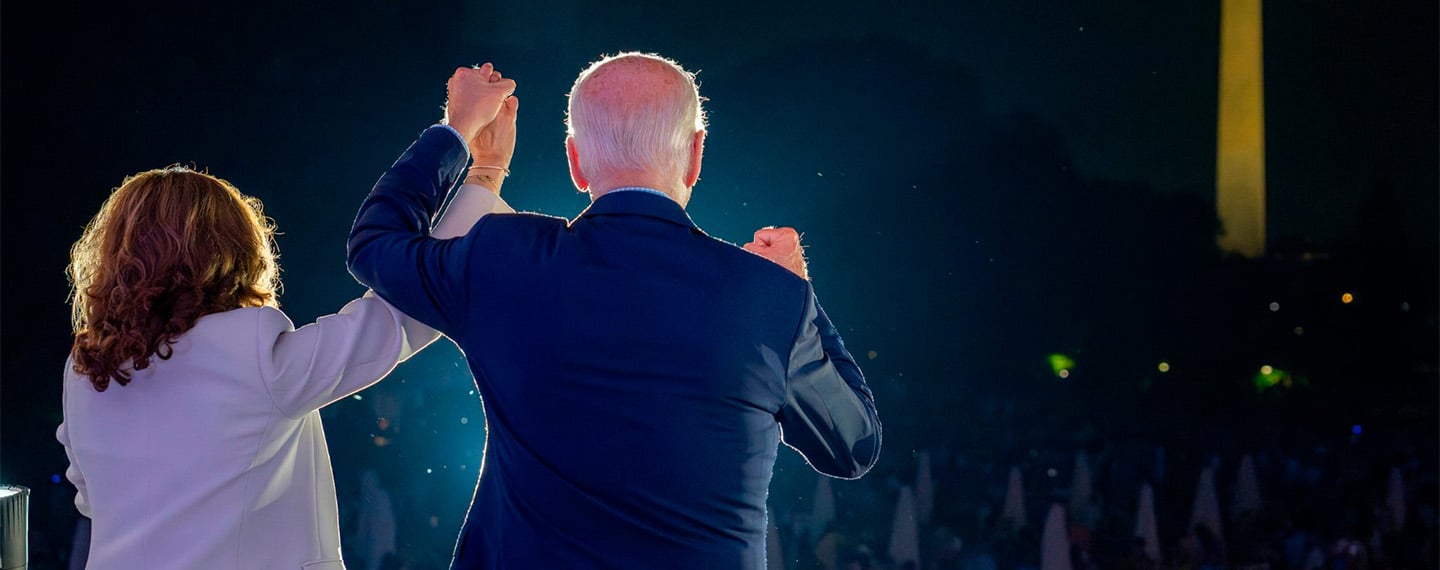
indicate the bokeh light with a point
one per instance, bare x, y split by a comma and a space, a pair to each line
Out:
1060, 364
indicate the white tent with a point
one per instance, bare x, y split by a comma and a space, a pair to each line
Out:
774, 557
1055, 542
1207, 504
905, 532
1146, 527
1081, 490
1395, 500
1013, 513
924, 487
1247, 488
827, 551
822, 511
376, 529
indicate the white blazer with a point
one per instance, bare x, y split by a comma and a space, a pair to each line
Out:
215, 458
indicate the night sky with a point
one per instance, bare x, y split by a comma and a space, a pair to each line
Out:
947, 163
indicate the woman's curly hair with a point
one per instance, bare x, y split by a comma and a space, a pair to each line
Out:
168, 246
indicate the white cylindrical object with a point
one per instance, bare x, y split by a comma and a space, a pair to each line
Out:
14, 527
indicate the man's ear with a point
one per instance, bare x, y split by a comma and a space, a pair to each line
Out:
697, 149
573, 157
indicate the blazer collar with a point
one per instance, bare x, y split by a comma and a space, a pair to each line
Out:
639, 204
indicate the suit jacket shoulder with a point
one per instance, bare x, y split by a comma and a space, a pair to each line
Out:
523, 221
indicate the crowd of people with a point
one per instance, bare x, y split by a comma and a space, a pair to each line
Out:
1350, 501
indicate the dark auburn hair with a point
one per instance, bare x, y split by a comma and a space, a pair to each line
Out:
168, 246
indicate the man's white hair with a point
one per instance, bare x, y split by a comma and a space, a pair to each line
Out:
626, 128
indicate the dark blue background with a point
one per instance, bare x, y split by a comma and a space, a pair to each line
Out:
979, 184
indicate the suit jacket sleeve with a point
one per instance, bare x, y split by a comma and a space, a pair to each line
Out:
471, 202
390, 247
829, 412
341, 354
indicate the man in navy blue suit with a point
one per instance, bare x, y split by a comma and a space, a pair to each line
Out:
637, 375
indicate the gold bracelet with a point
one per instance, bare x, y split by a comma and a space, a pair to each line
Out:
502, 169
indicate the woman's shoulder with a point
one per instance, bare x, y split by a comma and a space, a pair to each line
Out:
230, 336
242, 322
267, 323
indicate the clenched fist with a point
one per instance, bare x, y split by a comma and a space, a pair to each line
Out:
782, 246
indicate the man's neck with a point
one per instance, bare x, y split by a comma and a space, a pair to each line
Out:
680, 196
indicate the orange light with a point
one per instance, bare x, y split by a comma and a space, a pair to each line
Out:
1347, 298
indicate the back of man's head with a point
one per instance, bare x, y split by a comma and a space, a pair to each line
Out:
635, 113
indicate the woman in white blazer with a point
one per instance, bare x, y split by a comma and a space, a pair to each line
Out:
191, 402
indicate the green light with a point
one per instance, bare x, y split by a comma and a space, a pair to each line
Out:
1268, 377
1061, 364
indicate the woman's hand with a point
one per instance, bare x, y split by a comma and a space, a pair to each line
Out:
493, 147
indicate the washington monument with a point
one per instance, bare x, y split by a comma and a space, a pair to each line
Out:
1240, 141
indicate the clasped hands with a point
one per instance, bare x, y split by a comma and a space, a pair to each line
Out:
481, 106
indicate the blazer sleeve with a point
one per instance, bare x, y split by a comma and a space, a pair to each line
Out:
471, 202
306, 368
390, 248
829, 412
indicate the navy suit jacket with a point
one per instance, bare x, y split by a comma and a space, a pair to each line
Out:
636, 374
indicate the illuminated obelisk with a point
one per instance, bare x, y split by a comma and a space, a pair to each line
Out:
1240, 144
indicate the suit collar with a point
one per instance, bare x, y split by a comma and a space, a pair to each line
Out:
639, 204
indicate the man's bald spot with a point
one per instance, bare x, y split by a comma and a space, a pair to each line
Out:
635, 82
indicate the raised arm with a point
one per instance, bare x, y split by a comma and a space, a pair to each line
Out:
344, 353
390, 249
471, 202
